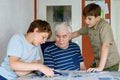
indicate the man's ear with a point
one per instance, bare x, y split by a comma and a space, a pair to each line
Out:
36, 30
70, 36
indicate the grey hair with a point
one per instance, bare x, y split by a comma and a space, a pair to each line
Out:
62, 26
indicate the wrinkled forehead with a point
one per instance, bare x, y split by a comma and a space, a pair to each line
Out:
62, 31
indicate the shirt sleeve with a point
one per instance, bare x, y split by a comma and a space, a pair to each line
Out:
48, 59
78, 57
14, 47
79, 54
106, 34
83, 31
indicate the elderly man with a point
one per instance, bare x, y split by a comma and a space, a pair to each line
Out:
63, 54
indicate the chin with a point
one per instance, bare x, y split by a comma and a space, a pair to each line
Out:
37, 44
89, 26
60, 46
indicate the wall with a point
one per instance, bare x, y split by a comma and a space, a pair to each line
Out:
15, 16
76, 13
115, 21
75, 22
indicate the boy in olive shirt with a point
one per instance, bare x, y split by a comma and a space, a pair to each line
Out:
101, 38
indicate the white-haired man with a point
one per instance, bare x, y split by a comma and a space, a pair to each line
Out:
63, 54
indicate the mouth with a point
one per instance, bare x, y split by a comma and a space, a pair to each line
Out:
61, 43
88, 25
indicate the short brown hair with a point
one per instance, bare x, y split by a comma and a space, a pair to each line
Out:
92, 10
42, 25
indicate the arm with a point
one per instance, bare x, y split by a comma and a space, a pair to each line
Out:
82, 31
48, 59
75, 34
21, 73
103, 58
103, 55
26, 67
79, 58
82, 66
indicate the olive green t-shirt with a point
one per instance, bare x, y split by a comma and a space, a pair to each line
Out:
99, 34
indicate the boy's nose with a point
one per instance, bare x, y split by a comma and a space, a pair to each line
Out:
87, 21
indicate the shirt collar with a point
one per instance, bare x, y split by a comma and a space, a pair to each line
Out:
96, 25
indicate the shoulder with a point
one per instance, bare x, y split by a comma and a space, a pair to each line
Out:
103, 23
73, 44
104, 26
16, 37
16, 40
50, 47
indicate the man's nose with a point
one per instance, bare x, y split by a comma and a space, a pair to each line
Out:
61, 39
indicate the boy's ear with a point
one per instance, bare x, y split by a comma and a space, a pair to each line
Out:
36, 30
98, 18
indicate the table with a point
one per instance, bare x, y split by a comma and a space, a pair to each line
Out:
77, 75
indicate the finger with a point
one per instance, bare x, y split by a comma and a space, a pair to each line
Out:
53, 69
94, 70
49, 76
90, 70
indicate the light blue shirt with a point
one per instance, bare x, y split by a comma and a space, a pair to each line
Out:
18, 46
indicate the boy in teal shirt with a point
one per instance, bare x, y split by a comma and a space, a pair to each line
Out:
23, 52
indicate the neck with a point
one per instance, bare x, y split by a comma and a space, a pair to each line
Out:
29, 38
62, 47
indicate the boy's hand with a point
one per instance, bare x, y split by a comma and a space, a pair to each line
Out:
94, 69
47, 71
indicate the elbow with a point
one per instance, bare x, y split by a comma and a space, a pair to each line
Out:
12, 66
82, 66
14, 62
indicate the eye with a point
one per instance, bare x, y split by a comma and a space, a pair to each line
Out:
43, 37
58, 36
64, 36
89, 19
